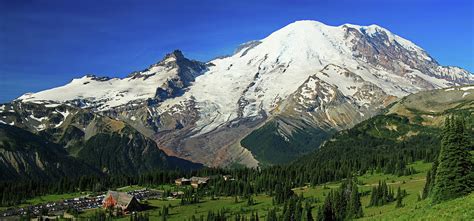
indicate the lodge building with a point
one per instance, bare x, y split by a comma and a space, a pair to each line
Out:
194, 181
124, 201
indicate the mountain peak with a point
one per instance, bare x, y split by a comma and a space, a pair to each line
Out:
300, 23
301, 26
175, 55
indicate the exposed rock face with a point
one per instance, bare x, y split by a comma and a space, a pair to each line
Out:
62, 133
302, 82
379, 47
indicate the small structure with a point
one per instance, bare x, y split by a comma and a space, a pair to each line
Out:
182, 181
227, 177
177, 194
197, 182
121, 200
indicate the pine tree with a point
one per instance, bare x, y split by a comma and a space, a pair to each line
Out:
320, 215
308, 216
298, 211
342, 204
430, 181
381, 195
164, 213
271, 215
250, 201
399, 198
454, 175
328, 212
355, 206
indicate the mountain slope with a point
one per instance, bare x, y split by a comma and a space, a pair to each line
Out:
108, 145
408, 130
24, 155
311, 76
313, 113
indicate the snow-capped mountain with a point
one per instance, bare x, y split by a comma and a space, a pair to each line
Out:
160, 81
305, 76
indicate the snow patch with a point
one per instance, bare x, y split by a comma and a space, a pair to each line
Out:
467, 88
59, 124
51, 105
65, 114
38, 119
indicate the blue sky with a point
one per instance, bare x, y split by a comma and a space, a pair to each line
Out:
44, 44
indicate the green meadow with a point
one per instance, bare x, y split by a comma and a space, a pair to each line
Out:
413, 209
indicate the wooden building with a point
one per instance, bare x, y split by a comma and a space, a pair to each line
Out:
124, 201
182, 181
197, 182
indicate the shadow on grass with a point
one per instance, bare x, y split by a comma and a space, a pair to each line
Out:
147, 207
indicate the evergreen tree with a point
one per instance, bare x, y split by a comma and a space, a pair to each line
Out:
164, 213
250, 201
308, 216
355, 206
381, 195
342, 204
454, 175
271, 215
320, 215
399, 198
298, 210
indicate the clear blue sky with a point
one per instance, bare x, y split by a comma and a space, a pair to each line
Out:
44, 44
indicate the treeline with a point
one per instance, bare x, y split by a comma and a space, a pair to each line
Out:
16, 192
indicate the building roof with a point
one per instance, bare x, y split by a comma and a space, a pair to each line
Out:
199, 180
183, 179
122, 198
